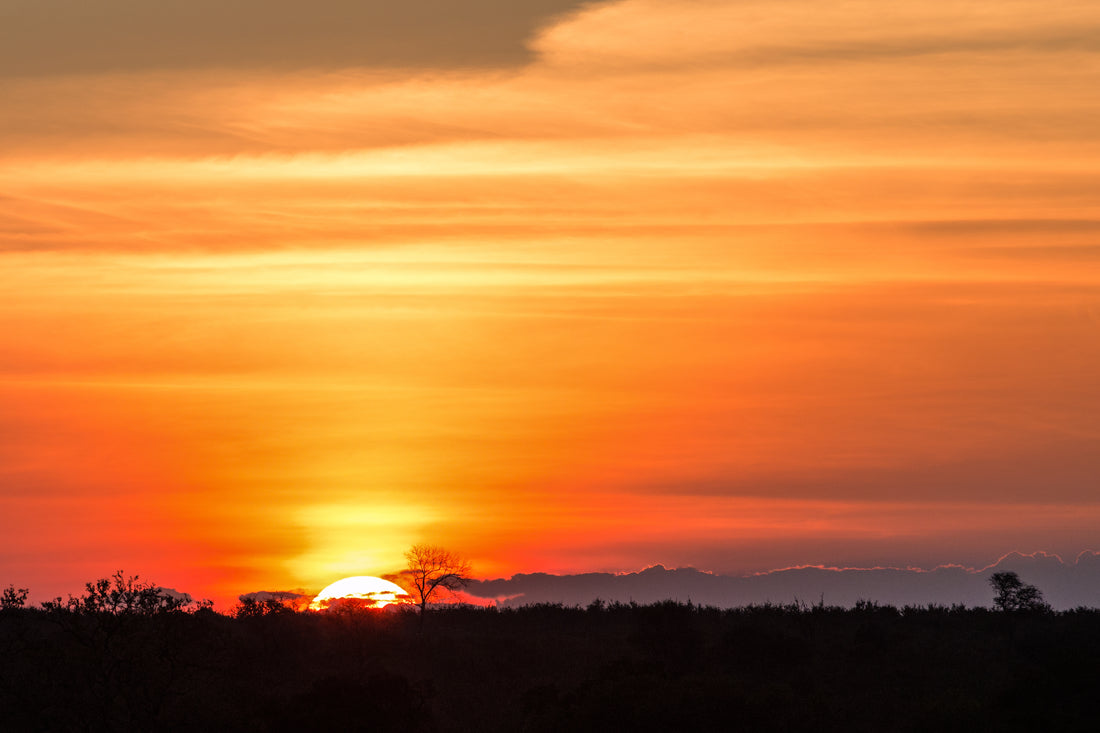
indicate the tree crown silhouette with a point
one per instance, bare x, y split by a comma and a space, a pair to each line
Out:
431, 571
1015, 595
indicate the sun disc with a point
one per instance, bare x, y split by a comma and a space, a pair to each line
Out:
365, 590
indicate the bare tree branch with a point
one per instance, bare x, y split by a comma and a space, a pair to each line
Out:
432, 570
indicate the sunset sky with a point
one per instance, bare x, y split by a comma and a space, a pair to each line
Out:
288, 287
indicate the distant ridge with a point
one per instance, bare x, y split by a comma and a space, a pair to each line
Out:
1064, 584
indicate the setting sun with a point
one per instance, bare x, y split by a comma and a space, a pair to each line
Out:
366, 590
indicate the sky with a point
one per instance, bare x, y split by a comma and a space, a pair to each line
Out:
565, 287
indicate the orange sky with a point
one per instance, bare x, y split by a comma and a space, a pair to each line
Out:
562, 287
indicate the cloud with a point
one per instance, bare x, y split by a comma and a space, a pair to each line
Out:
1065, 585
291, 598
862, 81
185, 598
49, 37
1061, 459
1083, 253
684, 80
766, 32
58, 37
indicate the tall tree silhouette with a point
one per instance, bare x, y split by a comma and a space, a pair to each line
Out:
432, 570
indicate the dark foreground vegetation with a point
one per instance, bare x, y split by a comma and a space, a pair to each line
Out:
667, 667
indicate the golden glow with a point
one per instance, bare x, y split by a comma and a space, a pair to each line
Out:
739, 285
373, 592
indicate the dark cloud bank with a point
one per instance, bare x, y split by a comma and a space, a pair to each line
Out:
1064, 584
279, 596
42, 37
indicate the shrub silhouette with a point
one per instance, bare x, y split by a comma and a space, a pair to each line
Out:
13, 597
120, 595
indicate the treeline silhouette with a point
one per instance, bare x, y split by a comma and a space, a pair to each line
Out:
608, 667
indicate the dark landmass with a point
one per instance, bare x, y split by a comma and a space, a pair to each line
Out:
608, 667
1065, 585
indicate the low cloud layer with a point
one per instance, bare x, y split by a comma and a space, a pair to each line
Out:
1064, 584
281, 596
184, 598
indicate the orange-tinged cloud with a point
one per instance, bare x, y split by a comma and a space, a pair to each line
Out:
645, 32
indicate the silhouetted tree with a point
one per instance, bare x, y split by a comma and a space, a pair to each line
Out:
431, 570
120, 595
1015, 595
13, 597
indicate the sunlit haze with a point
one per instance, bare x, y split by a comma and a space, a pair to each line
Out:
565, 288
